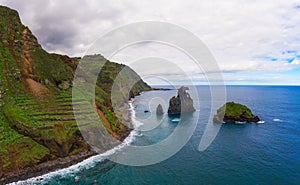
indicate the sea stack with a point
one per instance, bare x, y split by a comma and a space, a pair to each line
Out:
182, 103
159, 110
233, 112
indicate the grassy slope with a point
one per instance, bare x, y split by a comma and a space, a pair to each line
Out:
36, 128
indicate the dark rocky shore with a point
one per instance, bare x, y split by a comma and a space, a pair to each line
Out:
161, 89
45, 167
39, 131
51, 165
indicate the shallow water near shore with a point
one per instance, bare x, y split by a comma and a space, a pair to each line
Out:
247, 154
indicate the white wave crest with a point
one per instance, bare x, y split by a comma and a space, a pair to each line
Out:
277, 120
240, 122
89, 162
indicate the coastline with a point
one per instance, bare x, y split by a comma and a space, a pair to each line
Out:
67, 164
45, 167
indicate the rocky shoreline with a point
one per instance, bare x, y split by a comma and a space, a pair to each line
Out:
48, 166
36, 98
57, 164
45, 167
233, 112
52, 165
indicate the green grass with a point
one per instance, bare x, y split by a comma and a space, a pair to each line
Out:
50, 67
32, 128
232, 110
17, 150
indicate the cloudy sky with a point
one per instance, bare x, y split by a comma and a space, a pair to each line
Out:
254, 42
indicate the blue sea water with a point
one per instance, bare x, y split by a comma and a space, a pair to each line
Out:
248, 154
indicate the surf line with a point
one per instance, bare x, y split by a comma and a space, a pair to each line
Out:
91, 161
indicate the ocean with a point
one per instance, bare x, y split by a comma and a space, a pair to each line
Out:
248, 154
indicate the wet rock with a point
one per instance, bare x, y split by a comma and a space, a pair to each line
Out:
159, 110
255, 119
182, 103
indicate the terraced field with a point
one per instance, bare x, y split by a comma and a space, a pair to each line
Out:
37, 121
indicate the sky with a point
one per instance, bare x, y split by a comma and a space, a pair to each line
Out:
254, 42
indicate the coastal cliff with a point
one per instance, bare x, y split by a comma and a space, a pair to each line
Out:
37, 123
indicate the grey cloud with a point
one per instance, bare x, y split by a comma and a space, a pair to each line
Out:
234, 31
63, 25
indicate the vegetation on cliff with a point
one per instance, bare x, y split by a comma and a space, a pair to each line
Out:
234, 112
37, 122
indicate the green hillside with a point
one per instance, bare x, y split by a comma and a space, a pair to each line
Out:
37, 122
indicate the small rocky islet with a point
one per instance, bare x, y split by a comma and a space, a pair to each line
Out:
159, 110
182, 103
230, 112
233, 112
38, 127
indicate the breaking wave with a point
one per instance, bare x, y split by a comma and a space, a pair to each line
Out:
89, 162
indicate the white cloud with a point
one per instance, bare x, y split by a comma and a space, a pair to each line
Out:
296, 62
242, 35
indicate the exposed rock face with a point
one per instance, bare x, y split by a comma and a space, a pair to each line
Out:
234, 112
182, 103
159, 110
131, 95
36, 102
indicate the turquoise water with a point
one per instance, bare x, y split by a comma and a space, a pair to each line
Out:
249, 154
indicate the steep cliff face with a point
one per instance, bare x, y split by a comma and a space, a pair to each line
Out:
37, 122
182, 103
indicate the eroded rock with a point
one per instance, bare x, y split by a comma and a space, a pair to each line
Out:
182, 103
159, 110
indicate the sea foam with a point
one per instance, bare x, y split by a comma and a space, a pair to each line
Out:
89, 162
